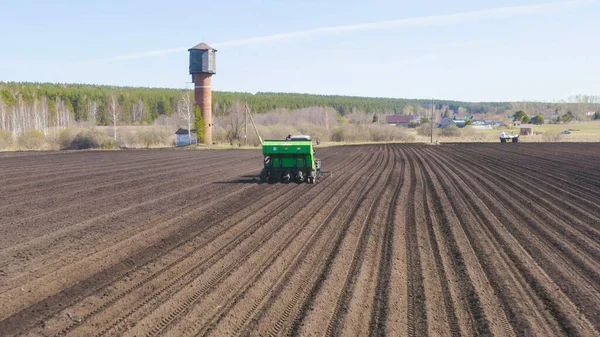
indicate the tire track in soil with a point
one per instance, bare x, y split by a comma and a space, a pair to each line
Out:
45, 255
313, 247
557, 205
347, 290
122, 295
326, 265
65, 222
94, 229
237, 289
553, 233
484, 243
478, 322
549, 300
515, 313
74, 193
361, 305
178, 281
464, 209
69, 296
175, 281
577, 185
66, 178
450, 311
268, 295
417, 313
129, 186
577, 197
281, 289
379, 314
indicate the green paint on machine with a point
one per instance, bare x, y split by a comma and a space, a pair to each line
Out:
290, 160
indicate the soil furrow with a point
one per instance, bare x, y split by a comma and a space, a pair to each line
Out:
404, 240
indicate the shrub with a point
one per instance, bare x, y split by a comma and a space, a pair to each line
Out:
315, 131
551, 136
145, 136
150, 136
82, 139
451, 131
370, 133
350, 133
219, 135
424, 130
32, 140
386, 133
85, 140
538, 119
65, 138
108, 143
6, 139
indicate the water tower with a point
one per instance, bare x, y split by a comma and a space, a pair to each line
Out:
202, 67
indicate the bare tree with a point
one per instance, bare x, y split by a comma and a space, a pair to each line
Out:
137, 111
114, 112
44, 117
3, 117
93, 109
234, 121
36, 116
63, 115
186, 113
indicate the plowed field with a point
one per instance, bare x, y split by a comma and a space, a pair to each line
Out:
402, 240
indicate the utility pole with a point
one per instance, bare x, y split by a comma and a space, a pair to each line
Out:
431, 121
246, 123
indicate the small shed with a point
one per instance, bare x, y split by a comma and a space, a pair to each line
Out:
399, 120
525, 129
183, 137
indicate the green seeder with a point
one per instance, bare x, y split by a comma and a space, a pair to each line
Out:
290, 160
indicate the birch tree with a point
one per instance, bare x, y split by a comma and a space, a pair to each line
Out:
3, 117
114, 112
186, 113
137, 111
93, 109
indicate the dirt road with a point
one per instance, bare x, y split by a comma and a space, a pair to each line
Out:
403, 240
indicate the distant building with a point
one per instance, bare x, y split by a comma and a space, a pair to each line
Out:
399, 120
525, 129
183, 137
446, 122
460, 123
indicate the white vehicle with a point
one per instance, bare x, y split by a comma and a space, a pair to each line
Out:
508, 137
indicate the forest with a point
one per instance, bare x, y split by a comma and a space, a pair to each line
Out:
25, 105
53, 106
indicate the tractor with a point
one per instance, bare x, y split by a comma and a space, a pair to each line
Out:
289, 160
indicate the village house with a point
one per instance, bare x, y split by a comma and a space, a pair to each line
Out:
446, 122
399, 120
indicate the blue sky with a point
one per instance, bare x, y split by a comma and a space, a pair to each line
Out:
463, 49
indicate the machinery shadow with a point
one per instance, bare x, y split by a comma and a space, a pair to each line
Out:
245, 179
252, 180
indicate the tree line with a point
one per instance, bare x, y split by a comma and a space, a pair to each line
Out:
27, 105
